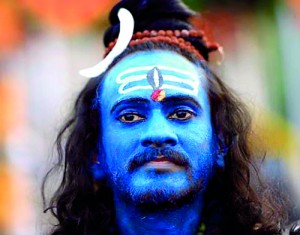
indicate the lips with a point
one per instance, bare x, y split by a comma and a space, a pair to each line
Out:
162, 161
163, 165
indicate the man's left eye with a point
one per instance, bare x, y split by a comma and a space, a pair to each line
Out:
182, 115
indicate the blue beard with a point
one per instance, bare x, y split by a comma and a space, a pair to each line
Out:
156, 188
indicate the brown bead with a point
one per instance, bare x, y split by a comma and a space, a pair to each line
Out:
181, 44
193, 33
169, 33
181, 40
144, 40
168, 40
139, 35
161, 33
213, 46
146, 33
175, 39
155, 39
111, 44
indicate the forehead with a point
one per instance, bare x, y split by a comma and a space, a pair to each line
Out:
139, 74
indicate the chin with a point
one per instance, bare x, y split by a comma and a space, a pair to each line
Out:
164, 189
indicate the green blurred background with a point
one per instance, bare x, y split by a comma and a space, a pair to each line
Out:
44, 43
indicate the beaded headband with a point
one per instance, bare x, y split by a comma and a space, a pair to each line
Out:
126, 37
175, 37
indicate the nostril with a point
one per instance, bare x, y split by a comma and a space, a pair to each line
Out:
159, 138
146, 143
170, 142
158, 144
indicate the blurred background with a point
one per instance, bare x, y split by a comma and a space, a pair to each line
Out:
43, 44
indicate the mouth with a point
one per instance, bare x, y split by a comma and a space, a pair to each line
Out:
162, 164
165, 160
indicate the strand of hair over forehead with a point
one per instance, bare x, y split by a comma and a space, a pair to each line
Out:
125, 35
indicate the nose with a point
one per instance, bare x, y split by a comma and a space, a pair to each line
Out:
159, 132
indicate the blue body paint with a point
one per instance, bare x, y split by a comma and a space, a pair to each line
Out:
157, 152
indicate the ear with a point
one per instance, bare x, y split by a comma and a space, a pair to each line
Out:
220, 161
222, 151
97, 169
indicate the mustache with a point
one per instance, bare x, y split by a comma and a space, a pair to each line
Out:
152, 154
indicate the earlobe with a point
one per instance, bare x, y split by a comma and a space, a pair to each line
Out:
221, 159
221, 153
96, 168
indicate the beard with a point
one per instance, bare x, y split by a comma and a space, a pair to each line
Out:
156, 188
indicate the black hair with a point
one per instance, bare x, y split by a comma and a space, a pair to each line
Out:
233, 204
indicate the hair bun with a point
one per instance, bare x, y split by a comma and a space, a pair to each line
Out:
150, 15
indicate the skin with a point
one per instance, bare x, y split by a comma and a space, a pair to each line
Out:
139, 138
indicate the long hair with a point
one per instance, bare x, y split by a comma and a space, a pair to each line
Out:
236, 201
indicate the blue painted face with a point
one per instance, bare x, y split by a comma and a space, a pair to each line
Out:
156, 151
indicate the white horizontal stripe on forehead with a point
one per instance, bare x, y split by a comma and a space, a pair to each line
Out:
171, 81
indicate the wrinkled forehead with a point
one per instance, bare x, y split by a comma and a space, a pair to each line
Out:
148, 71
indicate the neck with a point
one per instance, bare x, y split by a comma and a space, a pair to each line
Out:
179, 220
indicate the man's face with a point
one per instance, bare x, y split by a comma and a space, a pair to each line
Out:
156, 150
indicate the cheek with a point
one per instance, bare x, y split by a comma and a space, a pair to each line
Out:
199, 144
118, 145
199, 137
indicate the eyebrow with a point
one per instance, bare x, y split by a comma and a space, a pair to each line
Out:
130, 100
171, 99
182, 98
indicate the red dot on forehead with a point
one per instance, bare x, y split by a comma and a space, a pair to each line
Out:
158, 95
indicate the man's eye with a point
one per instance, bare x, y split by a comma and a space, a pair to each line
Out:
182, 115
131, 117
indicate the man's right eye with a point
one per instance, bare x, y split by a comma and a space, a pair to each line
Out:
131, 118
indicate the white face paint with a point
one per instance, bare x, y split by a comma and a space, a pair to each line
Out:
137, 78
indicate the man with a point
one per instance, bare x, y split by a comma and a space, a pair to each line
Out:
157, 144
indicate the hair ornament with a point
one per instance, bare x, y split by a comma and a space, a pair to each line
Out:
172, 37
125, 35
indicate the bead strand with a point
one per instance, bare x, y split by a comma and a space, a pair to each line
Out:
176, 37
